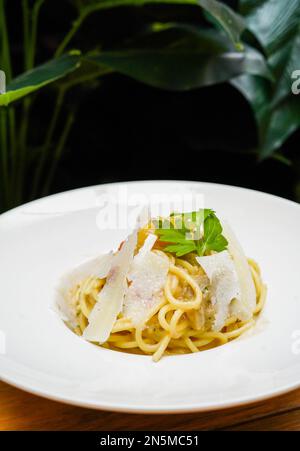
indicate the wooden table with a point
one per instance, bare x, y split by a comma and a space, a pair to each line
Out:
22, 411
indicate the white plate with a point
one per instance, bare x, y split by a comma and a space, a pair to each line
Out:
41, 240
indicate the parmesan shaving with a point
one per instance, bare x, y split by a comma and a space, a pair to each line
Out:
245, 305
110, 299
147, 246
224, 284
64, 302
148, 277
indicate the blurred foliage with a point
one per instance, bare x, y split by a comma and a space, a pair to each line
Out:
276, 24
255, 48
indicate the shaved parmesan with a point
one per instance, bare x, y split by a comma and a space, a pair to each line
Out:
224, 284
97, 267
245, 305
148, 277
147, 246
110, 299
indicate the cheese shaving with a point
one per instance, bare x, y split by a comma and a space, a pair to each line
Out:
224, 284
147, 246
64, 302
245, 305
148, 277
110, 299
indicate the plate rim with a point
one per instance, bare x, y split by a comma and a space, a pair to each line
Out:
163, 181
155, 410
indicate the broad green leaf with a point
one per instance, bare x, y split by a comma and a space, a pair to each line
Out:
87, 72
230, 21
275, 124
258, 92
273, 22
192, 62
39, 77
276, 24
285, 120
285, 62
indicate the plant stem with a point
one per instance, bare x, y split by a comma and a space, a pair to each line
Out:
22, 149
6, 117
48, 142
75, 26
13, 143
29, 55
22, 138
5, 50
84, 78
34, 24
4, 156
282, 158
26, 32
58, 152
30, 25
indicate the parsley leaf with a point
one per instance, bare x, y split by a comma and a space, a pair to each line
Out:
182, 250
199, 231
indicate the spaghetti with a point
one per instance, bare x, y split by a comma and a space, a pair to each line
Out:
182, 320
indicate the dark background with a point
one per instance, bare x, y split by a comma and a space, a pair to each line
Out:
125, 130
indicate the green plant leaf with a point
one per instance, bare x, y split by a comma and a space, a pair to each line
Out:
86, 74
39, 77
273, 22
276, 24
230, 21
285, 120
195, 60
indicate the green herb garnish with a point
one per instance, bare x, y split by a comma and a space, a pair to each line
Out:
199, 231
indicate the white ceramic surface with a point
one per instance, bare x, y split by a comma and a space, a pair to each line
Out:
41, 240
